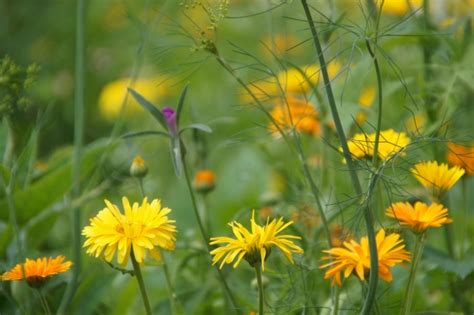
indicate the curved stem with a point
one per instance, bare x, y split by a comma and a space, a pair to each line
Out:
368, 216
417, 252
141, 283
258, 272
44, 302
206, 237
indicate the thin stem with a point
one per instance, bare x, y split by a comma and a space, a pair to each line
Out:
258, 272
141, 283
417, 253
76, 158
44, 302
373, 278
206, 237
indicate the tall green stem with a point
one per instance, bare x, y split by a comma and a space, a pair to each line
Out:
417, 253
206, 237
141, 283
76, 159
373, 278
258, 272
44, 302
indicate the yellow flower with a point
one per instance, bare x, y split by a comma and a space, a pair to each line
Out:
142, 228
254, 245
298, 113
416, 124
390, 144
366, 99
462, 156
419, 217
113, 94
400, 7
438, 177
293, 81
355, 256
36, 271
263, 90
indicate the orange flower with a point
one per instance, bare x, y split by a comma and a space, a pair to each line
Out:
355, 256
419, 217
37, 271
298, 113
462, 156
204, 180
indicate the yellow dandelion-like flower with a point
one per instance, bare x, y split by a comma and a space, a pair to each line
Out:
400, 7
298, 113
419, 217
390, 144
293, 81
113, 94
141, 228
355, 257
255, 245
462, 156
37, 271
438, 177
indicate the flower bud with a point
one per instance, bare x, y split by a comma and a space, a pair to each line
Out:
138, 168
170, 116
204, 181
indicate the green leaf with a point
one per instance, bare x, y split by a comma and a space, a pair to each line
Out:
201, 127
179, 109
51, 187
462, 268
155, 112
145, 133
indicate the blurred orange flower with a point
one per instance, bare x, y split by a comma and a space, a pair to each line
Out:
462, 156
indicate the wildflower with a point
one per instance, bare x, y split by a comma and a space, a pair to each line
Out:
204, 181
298, 113
37, 271
462, 156
113, 94
438, 177
293, 81
390, 144
355, 256
263, 90
339, 235
170, 117
366, 99
419, 217
141, 230
254, 245
138, 168
416, 124
400, 7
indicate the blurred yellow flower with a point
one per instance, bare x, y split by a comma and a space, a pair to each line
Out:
298, 113
366, 99
141, 229
400, 7
355, 256
294, 81
113, 94
419, 217
390, 144
36, 271
462, 156
416, 124
438, 177
279, 44
263, 90
255, 245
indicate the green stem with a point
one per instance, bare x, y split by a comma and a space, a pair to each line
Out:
368, 216
206, 237
44, 302
141, 283
258, 271
76, 158
172, 294
335, 308
417, 253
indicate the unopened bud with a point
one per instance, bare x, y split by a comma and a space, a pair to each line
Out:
204, 181
138, 168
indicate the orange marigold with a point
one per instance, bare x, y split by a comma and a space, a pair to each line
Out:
462, 156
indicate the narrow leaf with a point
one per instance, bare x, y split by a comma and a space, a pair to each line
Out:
144, 133
155, 112
201, 127
179, 109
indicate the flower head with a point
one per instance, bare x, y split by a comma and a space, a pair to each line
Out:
438, 177
390, 144
355, 256
170, 117
298, 113
142, 228
399, 7
138, 168
37, 271
462, 156
254, 245
419, 217
204, 180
